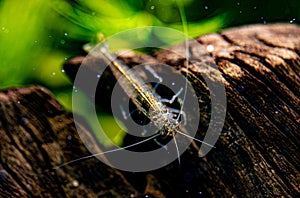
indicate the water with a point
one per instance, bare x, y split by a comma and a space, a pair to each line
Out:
170, 121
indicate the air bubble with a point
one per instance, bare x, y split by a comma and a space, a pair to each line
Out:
132, 195
210, 48
152, 7
63, 71
241, 88
24, 121
5, 30
53, 73
98, 75
69, 137
75, 183
264, 21
3, 175
66, 33
74, 89
19, 102
293, 20
206, 7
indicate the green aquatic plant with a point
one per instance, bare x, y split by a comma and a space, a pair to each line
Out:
111, 17
26, 45
85, 20
37, 36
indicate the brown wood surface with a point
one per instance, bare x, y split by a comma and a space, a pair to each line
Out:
257, 154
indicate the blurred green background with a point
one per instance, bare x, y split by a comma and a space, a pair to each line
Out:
36, 36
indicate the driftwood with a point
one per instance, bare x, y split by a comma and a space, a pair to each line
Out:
257, 154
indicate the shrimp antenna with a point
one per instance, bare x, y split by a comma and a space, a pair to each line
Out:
186, 135
105, 152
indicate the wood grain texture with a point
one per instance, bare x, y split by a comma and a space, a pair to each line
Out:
257, 154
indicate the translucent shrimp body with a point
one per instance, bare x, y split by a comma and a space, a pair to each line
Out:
145, 99
180, 123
